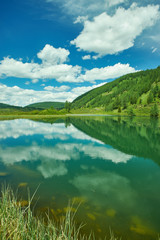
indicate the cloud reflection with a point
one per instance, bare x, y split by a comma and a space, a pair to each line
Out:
71, 144
105, 188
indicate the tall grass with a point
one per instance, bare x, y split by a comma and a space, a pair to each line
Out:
18, 223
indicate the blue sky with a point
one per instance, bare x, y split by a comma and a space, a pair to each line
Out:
55, 50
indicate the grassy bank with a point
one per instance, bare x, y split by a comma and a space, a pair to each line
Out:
18, 223
146, 110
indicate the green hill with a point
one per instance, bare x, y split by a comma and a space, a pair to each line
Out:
7, 106
139, 90
46, 105
42, 108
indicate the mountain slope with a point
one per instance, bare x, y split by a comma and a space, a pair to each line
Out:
7, 106
140, 88
46, 105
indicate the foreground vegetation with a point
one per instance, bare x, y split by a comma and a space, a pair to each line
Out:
18, 223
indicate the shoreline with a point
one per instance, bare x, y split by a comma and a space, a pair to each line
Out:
34, 116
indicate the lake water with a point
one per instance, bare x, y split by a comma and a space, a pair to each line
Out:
110, 166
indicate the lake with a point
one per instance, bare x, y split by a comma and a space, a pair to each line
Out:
108, 167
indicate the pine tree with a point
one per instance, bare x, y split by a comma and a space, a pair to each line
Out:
67, 106
119, 109
130, 112
150, 98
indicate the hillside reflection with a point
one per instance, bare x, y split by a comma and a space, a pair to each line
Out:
138, 136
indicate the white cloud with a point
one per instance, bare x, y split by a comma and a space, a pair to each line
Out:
57, 89
95, 57
35, 80
62, 73
112, 34
86, 57
53, 56
27, 82
115, 2
81, 19
52, 67
15, 95
81, 90
105, 73
86, 8
10, 67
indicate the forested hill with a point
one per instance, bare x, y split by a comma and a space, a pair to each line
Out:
43, 108
7, 106
46, 105
138, 89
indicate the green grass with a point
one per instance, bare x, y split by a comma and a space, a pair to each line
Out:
18, 223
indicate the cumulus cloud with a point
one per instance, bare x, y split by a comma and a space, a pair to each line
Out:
35, 80
50, 55
86, 57
27, 82
53, 67
81, 19
107, 34
109, 72
15, 95
10, 67
81, 90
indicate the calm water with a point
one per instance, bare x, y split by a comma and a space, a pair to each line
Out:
109, 165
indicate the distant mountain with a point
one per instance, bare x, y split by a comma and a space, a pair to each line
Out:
138, 89
7, 106
46, 105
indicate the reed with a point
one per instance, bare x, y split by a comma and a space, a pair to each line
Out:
18, 223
